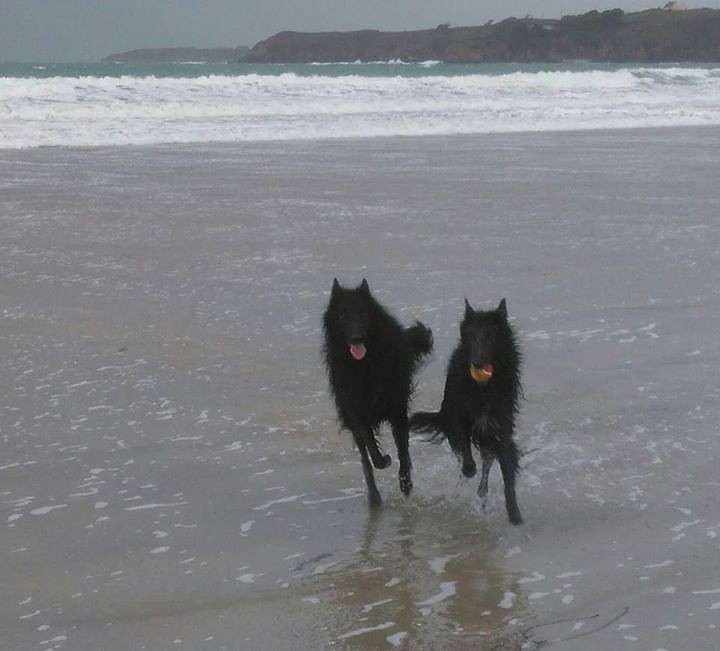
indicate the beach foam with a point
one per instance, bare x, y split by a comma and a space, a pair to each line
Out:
137, 110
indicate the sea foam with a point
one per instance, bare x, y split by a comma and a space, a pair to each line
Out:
134, 110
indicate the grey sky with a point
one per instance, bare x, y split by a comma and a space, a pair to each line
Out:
82, 30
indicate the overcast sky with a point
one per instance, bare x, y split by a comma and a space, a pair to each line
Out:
87, 30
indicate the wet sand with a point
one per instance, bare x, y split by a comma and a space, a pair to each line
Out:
172, 475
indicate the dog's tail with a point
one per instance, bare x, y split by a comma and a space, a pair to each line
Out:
429, 422
421, 339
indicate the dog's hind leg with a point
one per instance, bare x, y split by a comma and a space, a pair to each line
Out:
401, 434
373, 493
508, 456
487, 461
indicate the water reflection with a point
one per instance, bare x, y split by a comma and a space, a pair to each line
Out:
422, 578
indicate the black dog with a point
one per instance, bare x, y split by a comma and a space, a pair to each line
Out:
370, 360
480, 403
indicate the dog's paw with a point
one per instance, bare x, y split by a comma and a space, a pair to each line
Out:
469, 469
514, 516
382, 462
406, 484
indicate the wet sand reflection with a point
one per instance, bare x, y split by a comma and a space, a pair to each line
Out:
422, 578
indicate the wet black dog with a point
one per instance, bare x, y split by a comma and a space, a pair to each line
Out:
482, 390
370, 360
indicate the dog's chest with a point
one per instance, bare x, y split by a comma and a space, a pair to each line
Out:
478, 415
476, 405
361, 385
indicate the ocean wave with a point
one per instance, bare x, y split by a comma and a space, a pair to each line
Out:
128, 109
391, 62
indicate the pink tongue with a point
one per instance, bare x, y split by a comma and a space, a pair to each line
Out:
358, 351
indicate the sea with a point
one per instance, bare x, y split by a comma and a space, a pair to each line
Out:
107, 104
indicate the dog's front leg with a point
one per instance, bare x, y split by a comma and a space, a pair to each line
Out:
401, 434
459, 438
463, 448
380, 460
373, 493
487, 461
469, 467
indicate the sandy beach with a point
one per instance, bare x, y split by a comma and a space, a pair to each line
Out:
172, 476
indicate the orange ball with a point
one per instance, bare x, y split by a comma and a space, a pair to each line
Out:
481, 375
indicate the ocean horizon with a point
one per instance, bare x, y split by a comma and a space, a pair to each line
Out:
113, 104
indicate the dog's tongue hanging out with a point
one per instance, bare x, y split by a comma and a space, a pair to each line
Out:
358, 351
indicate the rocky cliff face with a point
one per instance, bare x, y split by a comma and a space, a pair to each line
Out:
179, 55
612, 36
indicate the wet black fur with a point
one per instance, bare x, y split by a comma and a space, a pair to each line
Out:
482, 415
377, 388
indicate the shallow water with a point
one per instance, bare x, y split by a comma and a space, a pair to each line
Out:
172, 475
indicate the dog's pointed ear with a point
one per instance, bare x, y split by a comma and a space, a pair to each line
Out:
468, 309
364, 287
502, 309
335, 287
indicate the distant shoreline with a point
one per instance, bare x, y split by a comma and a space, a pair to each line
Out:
179, 55
652, 36
666, 35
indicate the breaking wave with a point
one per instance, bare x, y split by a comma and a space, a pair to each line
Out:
136, 110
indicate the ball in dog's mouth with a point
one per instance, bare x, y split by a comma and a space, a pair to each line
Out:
481, 374
358, 351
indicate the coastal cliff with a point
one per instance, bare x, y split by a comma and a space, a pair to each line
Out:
179, 55
655, 35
